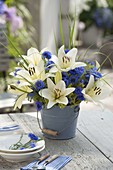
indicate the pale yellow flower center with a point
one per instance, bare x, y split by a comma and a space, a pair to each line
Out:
31, 70
57, 93
66, 61
95, 91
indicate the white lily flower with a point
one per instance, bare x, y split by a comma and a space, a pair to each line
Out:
33, 74
21, 91
33, 56
56, 93
65, 62
96, 91
35, 70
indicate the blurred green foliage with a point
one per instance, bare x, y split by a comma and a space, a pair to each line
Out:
23, 39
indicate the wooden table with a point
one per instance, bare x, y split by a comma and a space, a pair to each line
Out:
91, 149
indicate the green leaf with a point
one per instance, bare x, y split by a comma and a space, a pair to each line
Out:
56, 45
61, 27
15, 48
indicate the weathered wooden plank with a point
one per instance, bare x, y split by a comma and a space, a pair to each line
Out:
84, 154
5, 119
97, 125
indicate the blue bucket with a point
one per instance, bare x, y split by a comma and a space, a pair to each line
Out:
64, 121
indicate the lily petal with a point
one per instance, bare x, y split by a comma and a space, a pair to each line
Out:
46, 93
50, 84
61, 86
78, 64
32, 51
69, 90
62, 100
54, 69
19, 101
90, 83
72, 53
50, 104
54, 59
61, 52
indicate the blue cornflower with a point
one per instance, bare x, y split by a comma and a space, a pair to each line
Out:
80, 97
39, 85
32, 145
87, 76
82, 81
49, 65
86, 80
96, 74
15, 72
90, 62
22, 148
30, 96
72, 72
78, 90
94, 69
66, 51
79, 70
64, 75
38, 106
66, 81
73, 79
47, 55
32, 136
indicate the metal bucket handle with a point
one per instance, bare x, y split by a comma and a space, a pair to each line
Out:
53, 132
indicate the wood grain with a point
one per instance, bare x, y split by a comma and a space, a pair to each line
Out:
85, 156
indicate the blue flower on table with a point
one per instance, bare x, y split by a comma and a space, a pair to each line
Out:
22, 148
32, 145
32, 136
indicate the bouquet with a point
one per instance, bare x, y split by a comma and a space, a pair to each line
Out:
60, 79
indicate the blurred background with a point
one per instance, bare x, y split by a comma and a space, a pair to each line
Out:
36, 23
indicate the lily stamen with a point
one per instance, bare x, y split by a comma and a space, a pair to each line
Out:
31, 71
65, 59
57, 93
98, 91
